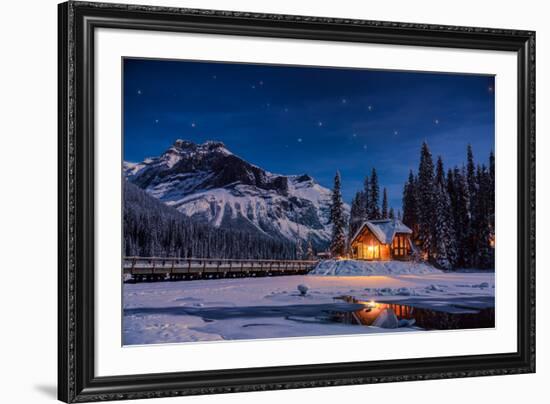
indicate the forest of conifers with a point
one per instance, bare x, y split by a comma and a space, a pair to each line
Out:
451, 213
153, 229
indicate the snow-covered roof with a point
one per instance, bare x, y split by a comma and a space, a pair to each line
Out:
384, 229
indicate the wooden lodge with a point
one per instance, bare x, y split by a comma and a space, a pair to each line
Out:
382, 240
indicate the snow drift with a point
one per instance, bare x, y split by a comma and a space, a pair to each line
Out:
365, 268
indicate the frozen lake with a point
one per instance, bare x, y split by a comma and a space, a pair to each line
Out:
272, 307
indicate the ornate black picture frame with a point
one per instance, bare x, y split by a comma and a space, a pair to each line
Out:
77, 24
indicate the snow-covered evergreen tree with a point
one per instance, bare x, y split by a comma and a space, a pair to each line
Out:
353, 210
385, 204
338, 241
481, 225
299, 249
410, 210
425, 201
491, 195
471, 172
310, 254
460, 204
471, 181
459, 196
357, 213
391, 215
373, 210
366, 198
444, 254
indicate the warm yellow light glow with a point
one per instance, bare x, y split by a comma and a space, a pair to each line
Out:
372, 304
370, 248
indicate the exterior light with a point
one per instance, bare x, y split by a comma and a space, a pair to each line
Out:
371, 304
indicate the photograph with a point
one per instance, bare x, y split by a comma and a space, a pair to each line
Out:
279, 201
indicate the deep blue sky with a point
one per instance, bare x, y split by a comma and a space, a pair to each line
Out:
294, 120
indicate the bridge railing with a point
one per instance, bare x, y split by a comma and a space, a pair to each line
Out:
169, 268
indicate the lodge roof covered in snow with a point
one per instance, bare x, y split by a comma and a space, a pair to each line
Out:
384, 229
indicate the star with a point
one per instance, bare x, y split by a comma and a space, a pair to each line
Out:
139, 92
193, 124
354, 135
261, 83
253, 86
436, 121
299, 140
395, 132
286, 109
490, 89
214, 77
365, 146
319, 123
369, 107
344, 101
156, 121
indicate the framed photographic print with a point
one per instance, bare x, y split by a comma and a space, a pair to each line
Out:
255, 201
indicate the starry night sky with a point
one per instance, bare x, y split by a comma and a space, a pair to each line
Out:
295, 120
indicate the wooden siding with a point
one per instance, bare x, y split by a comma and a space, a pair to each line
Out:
367, 247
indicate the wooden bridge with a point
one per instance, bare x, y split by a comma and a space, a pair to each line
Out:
139, 269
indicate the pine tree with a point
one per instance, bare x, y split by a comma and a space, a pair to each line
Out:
357, 213
410, 210
374, 197
366, 198
399, 216
385, 204
338, 241
481, 226
471, 180
471, 172
310, 252
459, 198
299, 249
491, 195
444, 237
391, 215
425, 200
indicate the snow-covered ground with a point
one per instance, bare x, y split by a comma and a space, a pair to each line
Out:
361, 268
270, 307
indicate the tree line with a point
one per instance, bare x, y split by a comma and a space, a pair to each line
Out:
365, 205
451, 214
153, 229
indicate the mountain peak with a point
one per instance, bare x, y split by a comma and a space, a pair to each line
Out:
208, 183
184, 144
212, 144
209, 145
303, 178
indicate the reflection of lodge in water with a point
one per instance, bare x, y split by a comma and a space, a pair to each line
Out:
382, 240
448, 318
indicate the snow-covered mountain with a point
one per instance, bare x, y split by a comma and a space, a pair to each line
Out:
209, 183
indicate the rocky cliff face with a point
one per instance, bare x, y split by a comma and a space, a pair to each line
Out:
209, 183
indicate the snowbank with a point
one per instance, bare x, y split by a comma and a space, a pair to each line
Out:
273, 307
365, 268
386, 319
